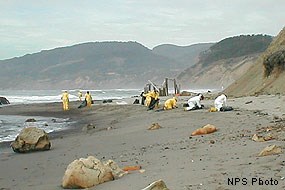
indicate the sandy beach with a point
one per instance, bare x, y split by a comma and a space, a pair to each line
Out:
182, 161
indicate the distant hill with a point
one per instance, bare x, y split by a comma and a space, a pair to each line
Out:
267, 75
90, 65
102, 65
224, 62
185, 55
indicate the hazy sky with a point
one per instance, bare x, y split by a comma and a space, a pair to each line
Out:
29, 26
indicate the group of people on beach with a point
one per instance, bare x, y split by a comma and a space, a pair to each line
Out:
220, 103
151, 100
86, 102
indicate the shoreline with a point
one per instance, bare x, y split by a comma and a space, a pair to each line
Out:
54, 109
169, 153
48, 110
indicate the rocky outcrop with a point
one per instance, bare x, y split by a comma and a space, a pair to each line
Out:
266, 76
89, 172
275, 61
31, 139
218, 74
4, 100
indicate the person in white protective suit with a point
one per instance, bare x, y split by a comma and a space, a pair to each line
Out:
194, 103
220, 101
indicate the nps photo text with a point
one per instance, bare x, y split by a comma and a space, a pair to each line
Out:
253, 181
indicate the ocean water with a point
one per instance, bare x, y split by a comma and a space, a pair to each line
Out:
45, 96
11, 125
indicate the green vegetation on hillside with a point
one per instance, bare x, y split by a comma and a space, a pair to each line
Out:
235, 47
274, 57
276, 62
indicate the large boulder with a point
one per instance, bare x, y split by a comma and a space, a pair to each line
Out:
31, 139
4, 100
89, 172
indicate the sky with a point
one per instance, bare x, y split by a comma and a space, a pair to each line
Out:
29, 26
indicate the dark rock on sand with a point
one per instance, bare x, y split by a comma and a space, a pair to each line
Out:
4, 100
108, 101
31, 120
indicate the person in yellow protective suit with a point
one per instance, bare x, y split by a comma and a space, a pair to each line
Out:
170, 104
147, 98
88, 99
154, 100
65, 100
80, 96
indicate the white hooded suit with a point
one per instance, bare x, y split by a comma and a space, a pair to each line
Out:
220, 101
194, 102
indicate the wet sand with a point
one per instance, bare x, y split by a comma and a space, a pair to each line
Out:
183, 161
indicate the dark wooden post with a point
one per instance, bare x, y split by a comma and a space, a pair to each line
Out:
162, 91
149, 87
175, 86
166, 86
178, 90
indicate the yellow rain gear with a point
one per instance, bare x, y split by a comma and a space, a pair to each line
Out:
170, 103
88, 99
147, 100
149, 96
65, 101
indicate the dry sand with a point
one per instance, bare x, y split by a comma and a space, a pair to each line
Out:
169, 153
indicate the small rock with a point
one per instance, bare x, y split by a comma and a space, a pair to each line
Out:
249, 102
88, 127
157, 185
142, 171
154, 126
109, 128
31, 120
257, 138
212, 142
270, 150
